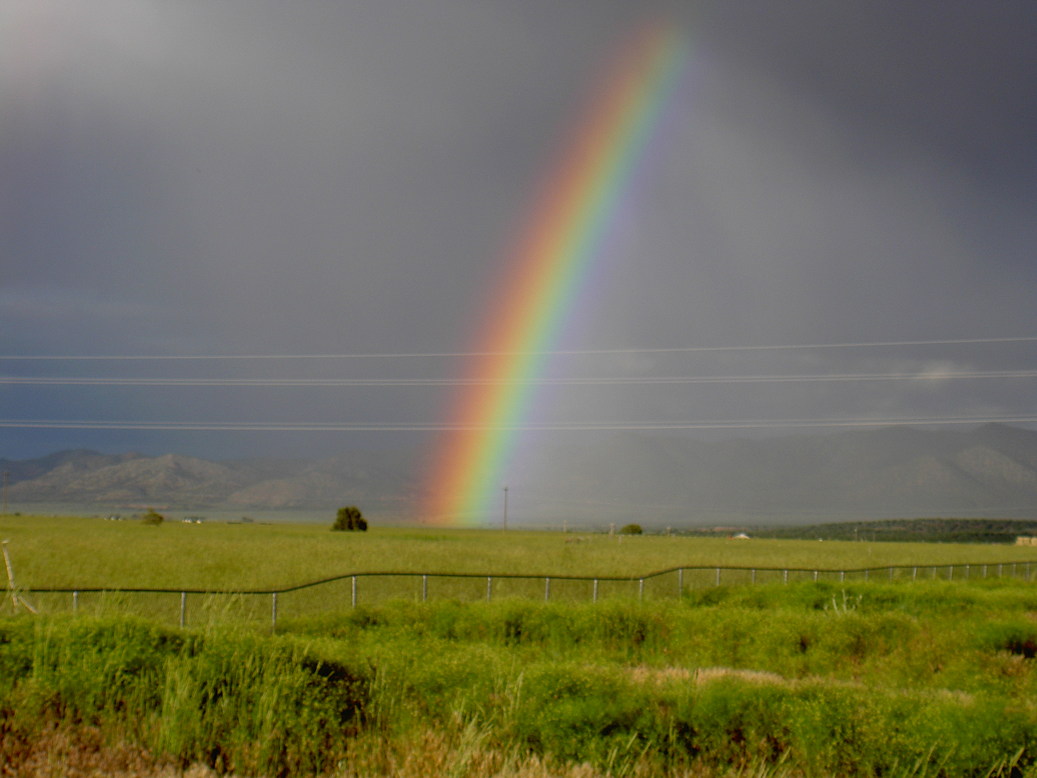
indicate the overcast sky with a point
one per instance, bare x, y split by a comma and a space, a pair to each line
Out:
183, 178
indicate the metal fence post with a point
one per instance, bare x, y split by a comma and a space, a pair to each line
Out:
1016, 570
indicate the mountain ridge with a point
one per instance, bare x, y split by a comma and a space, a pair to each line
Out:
654, 480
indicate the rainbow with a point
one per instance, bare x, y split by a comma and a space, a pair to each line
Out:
569, 226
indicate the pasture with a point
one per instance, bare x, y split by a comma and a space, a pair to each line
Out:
804, 678
91, 552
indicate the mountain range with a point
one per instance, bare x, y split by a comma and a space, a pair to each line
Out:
989, 471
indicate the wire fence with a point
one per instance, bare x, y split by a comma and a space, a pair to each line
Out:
196, 607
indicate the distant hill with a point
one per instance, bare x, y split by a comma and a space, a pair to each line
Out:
26, 469
893, 472
654, 480
173, 481
907, 530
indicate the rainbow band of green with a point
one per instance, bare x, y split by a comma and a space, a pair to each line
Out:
571, 223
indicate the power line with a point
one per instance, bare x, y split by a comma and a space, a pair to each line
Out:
564, 381
564, 352
526, 427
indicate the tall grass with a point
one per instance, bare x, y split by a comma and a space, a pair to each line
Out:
805, 678
232, 700
809, 679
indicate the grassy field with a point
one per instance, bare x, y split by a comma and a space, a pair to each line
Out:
809, 678
64, 552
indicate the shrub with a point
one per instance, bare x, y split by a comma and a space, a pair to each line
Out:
576, 712
152, 517
1017, 637
349, 519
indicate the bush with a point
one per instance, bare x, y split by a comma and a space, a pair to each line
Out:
349, 519
152, 517
631, 529
580, 713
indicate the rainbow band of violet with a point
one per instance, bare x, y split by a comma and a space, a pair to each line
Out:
543, 275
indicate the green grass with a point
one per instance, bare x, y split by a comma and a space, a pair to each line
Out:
66, 552
810, 679
805, 678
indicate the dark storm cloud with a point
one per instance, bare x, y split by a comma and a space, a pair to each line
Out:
245, 177
253, 157
950, 76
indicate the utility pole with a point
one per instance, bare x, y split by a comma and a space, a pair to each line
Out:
3, 511
505, 507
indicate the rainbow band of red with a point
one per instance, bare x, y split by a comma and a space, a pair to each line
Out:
543, 276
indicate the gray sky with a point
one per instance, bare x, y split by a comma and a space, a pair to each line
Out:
244, 177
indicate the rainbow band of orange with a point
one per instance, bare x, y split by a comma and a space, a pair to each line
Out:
570, 222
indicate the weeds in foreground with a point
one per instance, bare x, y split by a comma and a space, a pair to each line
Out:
909, 680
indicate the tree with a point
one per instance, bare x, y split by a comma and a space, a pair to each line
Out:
349, 519
631, 529
152, 517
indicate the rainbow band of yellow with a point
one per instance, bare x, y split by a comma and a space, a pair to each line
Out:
543, 276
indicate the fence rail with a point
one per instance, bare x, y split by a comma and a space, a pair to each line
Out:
350, 589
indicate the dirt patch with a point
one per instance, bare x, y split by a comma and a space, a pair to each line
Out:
706, 674
657, 675
660, 675
82, 753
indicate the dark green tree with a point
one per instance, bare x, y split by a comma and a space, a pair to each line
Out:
152, 517
349, 519
630, 529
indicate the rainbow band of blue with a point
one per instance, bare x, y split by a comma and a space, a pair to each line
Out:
570, 224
